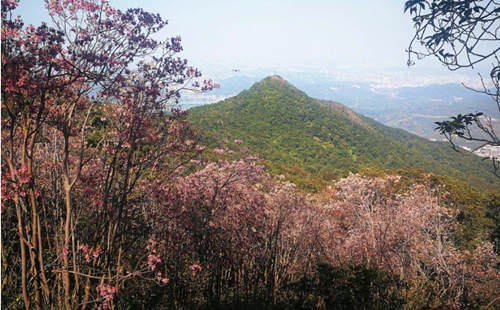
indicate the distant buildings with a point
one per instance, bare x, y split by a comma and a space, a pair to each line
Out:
488, 151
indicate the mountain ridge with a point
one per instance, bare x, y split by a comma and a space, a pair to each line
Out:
299, 135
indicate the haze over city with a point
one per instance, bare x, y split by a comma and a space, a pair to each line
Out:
350, 40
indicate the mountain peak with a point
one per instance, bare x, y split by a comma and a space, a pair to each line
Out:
276, 82
276, 78
313, 140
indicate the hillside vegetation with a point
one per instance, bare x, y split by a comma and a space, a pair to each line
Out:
109, 201
312, 141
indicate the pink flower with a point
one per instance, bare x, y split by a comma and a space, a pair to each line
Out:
97, 251
219, 151
153, 260
151, 244
84, 248
65, 252
199, 148
107, 292
161, 279
25, 179
252, 157
196, 267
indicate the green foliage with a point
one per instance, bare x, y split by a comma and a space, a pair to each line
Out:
493, 214
312, 141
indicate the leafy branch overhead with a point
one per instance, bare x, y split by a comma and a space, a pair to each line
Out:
461, 34
457, 32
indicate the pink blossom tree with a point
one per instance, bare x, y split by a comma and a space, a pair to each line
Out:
82, 105
408, 234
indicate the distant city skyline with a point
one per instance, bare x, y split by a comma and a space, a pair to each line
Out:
362, 39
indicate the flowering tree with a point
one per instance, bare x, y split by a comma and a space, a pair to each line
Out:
82, 116
247, 234
409, 234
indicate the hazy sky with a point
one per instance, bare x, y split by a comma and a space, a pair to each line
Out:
353, 36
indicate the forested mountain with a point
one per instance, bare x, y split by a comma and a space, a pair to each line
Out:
413, 108
312, 141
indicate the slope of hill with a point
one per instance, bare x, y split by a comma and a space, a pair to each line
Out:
312, 141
